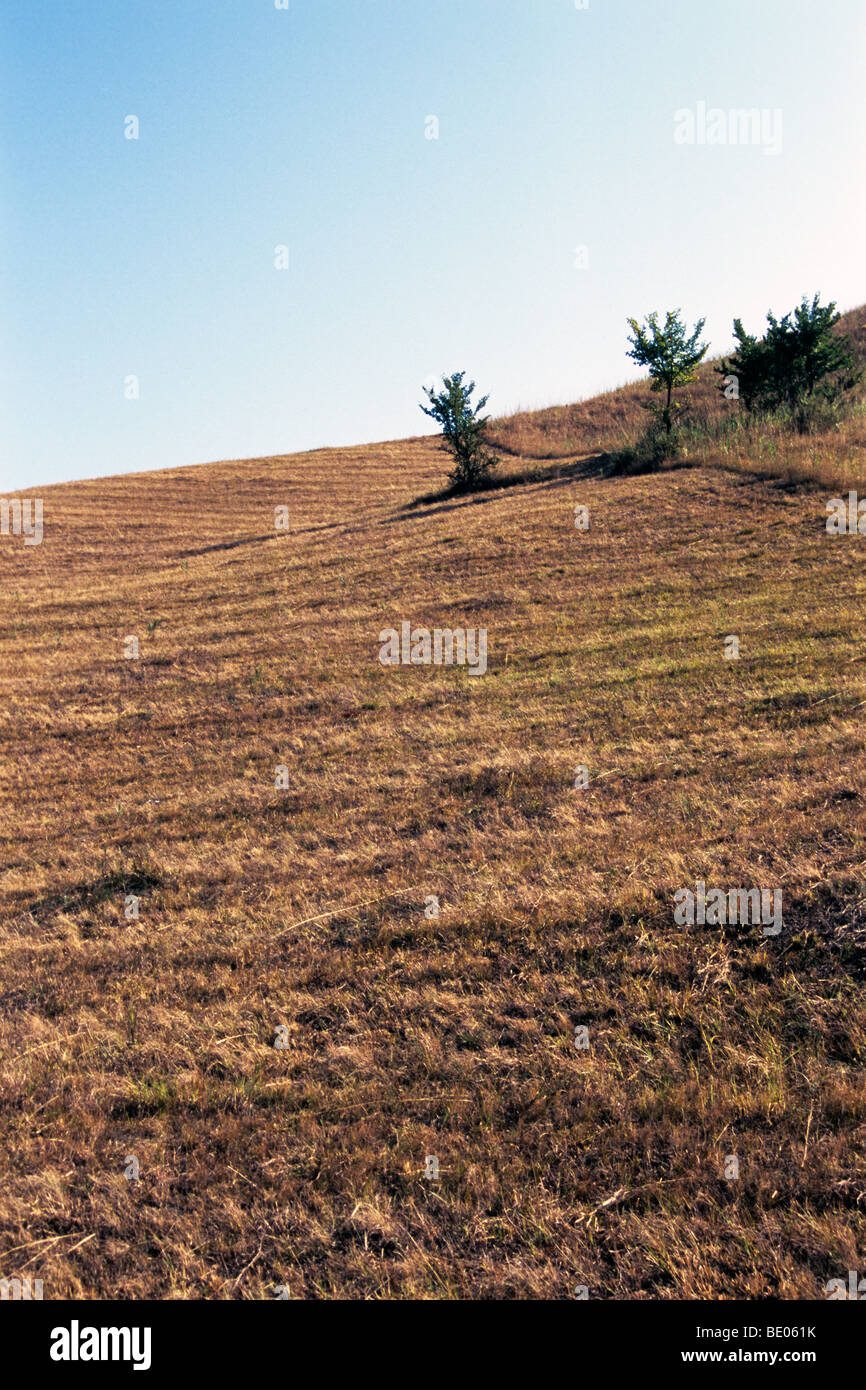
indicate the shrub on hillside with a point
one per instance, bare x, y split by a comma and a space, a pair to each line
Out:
801, 367
655, 446
463, 430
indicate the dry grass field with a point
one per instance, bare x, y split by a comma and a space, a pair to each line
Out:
406, 1035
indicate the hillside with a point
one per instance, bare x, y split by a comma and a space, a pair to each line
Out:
303, 909
718, 435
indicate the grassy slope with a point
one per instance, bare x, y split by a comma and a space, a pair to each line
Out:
834, 459
410, 1036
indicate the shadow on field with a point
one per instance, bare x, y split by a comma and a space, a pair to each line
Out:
89, 895
551, 475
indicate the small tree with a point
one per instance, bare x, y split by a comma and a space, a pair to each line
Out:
463, 429
670, 352
751, 367
799, 358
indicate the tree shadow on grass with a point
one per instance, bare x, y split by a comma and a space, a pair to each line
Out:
89, 895
547, 475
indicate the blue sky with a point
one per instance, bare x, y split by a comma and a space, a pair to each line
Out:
408, 256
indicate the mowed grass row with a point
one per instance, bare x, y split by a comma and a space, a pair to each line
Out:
308, 909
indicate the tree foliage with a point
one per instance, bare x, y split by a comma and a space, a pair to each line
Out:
671, 354
799, 360
463, 430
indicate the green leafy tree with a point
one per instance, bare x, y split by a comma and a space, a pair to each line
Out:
800, 359
751, 369
463, 430
670, 352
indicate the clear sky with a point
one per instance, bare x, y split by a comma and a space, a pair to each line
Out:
307, 127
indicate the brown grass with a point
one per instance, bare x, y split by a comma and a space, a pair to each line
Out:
409, 1036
